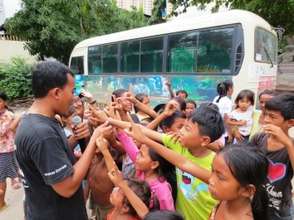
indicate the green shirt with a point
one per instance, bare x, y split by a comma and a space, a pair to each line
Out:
193, 199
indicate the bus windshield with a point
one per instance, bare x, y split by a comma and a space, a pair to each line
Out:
265, 46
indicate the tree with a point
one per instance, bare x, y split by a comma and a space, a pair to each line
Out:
276, 12
53, 27
157, 12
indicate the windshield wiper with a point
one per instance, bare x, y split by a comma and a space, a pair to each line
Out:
268, 56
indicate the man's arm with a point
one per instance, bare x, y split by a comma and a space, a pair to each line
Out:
70, 184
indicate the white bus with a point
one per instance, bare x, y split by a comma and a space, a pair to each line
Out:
194, 54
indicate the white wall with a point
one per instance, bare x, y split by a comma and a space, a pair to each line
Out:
9, 49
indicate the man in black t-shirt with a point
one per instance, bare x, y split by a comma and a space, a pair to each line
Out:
52, 177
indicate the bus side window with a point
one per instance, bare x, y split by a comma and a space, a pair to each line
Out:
94, 60
214, 51
182, 49
77, 65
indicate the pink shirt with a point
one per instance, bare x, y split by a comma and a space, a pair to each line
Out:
6, 135
160, 188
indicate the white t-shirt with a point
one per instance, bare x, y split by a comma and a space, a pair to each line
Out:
247, 116
224, 105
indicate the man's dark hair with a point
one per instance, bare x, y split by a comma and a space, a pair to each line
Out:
209, 121
48, 75
283, 103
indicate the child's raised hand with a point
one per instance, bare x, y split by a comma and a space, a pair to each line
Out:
278, 133
169, 109
116, 176
136, 131
98, 114
131, 97
175, 137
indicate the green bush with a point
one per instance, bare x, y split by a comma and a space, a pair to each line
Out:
15, 78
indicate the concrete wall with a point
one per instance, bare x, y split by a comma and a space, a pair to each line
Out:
9, 49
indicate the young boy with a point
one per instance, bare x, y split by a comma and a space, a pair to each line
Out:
204, 127
279, 149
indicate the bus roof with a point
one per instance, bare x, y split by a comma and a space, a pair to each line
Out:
178, 25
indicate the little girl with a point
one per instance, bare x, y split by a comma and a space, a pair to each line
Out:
241, 119
130, 198
8, 167
153, 169
123, 208
238, 174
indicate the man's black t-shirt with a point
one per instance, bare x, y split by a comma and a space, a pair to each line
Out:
279, 177
45, 159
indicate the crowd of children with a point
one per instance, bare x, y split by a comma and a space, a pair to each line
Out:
222, 160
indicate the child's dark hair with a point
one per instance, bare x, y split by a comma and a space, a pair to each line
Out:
182, 91
118, 93
222, 88
170, 120
181, 102
190, 101
142, 190
267, 92
250, 168
245, 94
166, 171
209, 121
163, 215
4, 97
283, 103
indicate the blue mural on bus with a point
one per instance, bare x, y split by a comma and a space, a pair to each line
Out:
200, 88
